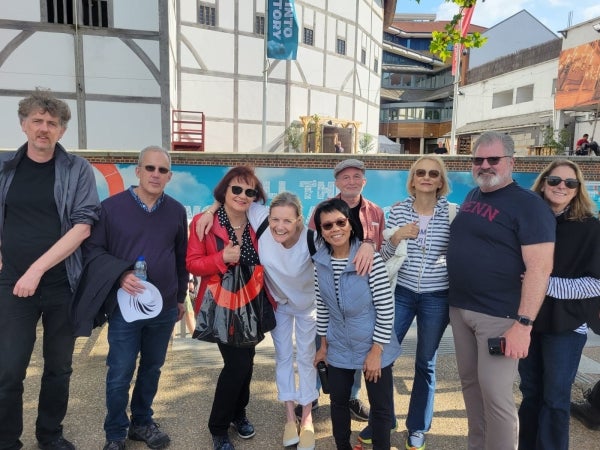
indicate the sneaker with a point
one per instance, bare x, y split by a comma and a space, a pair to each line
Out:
415, 440
150, 434
586, 414
298, 408
58, 444
222, 443
290, 434
358, 410
244, 428
366, 435
307, 438
114, 445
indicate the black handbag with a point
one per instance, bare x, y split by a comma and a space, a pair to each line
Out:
235, 309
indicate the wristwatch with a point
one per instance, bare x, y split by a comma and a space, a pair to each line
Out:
524, 320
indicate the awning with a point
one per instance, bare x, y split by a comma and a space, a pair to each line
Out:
542, 118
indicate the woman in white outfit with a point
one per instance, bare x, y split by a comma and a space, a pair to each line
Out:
285, 255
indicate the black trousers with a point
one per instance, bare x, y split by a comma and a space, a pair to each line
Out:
18, 322
381, 399
232, 393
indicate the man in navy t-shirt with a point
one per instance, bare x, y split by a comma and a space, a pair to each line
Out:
499, 261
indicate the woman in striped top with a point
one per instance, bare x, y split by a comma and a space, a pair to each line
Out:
421, 290
355, 318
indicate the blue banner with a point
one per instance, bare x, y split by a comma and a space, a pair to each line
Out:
282, 34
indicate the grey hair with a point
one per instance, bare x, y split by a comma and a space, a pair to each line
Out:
490, 137
154, 148
43, 100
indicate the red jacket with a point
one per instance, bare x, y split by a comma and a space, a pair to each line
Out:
203, 259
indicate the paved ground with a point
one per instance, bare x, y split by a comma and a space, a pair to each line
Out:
187, 385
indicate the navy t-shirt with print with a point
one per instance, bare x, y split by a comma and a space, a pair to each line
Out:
484, 257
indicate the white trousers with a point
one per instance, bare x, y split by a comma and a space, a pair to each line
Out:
301, 325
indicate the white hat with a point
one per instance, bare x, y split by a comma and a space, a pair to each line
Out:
146, 305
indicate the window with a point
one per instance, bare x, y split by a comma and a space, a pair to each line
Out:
376, 65
308, 38
207, 15
259, 25
340, 47
503, 98
92, 13
524, 94
363, 56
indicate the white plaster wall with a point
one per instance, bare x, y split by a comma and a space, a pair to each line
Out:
112, 68
21, 10
135, 14
122, 126
44, 60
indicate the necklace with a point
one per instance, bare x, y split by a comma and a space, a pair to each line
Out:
239, 226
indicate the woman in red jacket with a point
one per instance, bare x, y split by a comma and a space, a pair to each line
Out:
238, 189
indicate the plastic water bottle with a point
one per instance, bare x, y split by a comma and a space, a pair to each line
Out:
140, 269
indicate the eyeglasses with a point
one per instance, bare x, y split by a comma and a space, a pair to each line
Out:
162, 170
422, 172
570, 183
250, 193
492, 160
340, 223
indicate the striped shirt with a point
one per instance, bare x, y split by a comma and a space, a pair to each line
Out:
574, 289
383, 300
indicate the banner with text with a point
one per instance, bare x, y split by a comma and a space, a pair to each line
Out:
282, 35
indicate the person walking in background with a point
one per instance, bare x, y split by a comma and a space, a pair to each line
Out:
141, 221
572, 303
421, 289
286, 256
48, 203
355, 318
501, 232
350, 179
236, 191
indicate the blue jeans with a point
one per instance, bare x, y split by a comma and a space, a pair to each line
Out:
431, 310
149, 338
547, 375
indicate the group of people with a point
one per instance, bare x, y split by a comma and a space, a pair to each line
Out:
512, 263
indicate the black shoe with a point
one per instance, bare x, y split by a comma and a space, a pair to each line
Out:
58, 444
222, 443
586, 414
298, 408
150, 434
114, 445
244, 428
358, 410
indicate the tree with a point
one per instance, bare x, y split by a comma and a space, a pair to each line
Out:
294, 135
442, 42
366, 143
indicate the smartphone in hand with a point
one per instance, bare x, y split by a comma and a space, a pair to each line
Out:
496, 345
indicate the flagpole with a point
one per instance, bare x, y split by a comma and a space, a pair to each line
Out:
265, 75
453, 144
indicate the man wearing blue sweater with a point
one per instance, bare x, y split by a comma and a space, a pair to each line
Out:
142, 221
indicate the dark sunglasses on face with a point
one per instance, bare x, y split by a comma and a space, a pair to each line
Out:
422, 172
492, 160
340, 223
150, 168
250, 193
570, 183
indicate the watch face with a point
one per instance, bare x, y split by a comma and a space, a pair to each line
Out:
524, 320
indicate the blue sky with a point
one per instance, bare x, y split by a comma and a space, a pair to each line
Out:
552, 13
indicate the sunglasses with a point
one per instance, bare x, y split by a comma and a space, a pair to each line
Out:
570, 183
422, 172
492, 160
162, 170
340, 223
250, 193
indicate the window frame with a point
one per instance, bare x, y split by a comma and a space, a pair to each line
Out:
340, 46
52, 12
211, 19
308, 34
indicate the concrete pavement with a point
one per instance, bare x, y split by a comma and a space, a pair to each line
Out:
185, 396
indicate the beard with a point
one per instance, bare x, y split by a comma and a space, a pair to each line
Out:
488, 181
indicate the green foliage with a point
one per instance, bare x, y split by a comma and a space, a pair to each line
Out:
294, 135
366, 143
556, 140
442, 42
